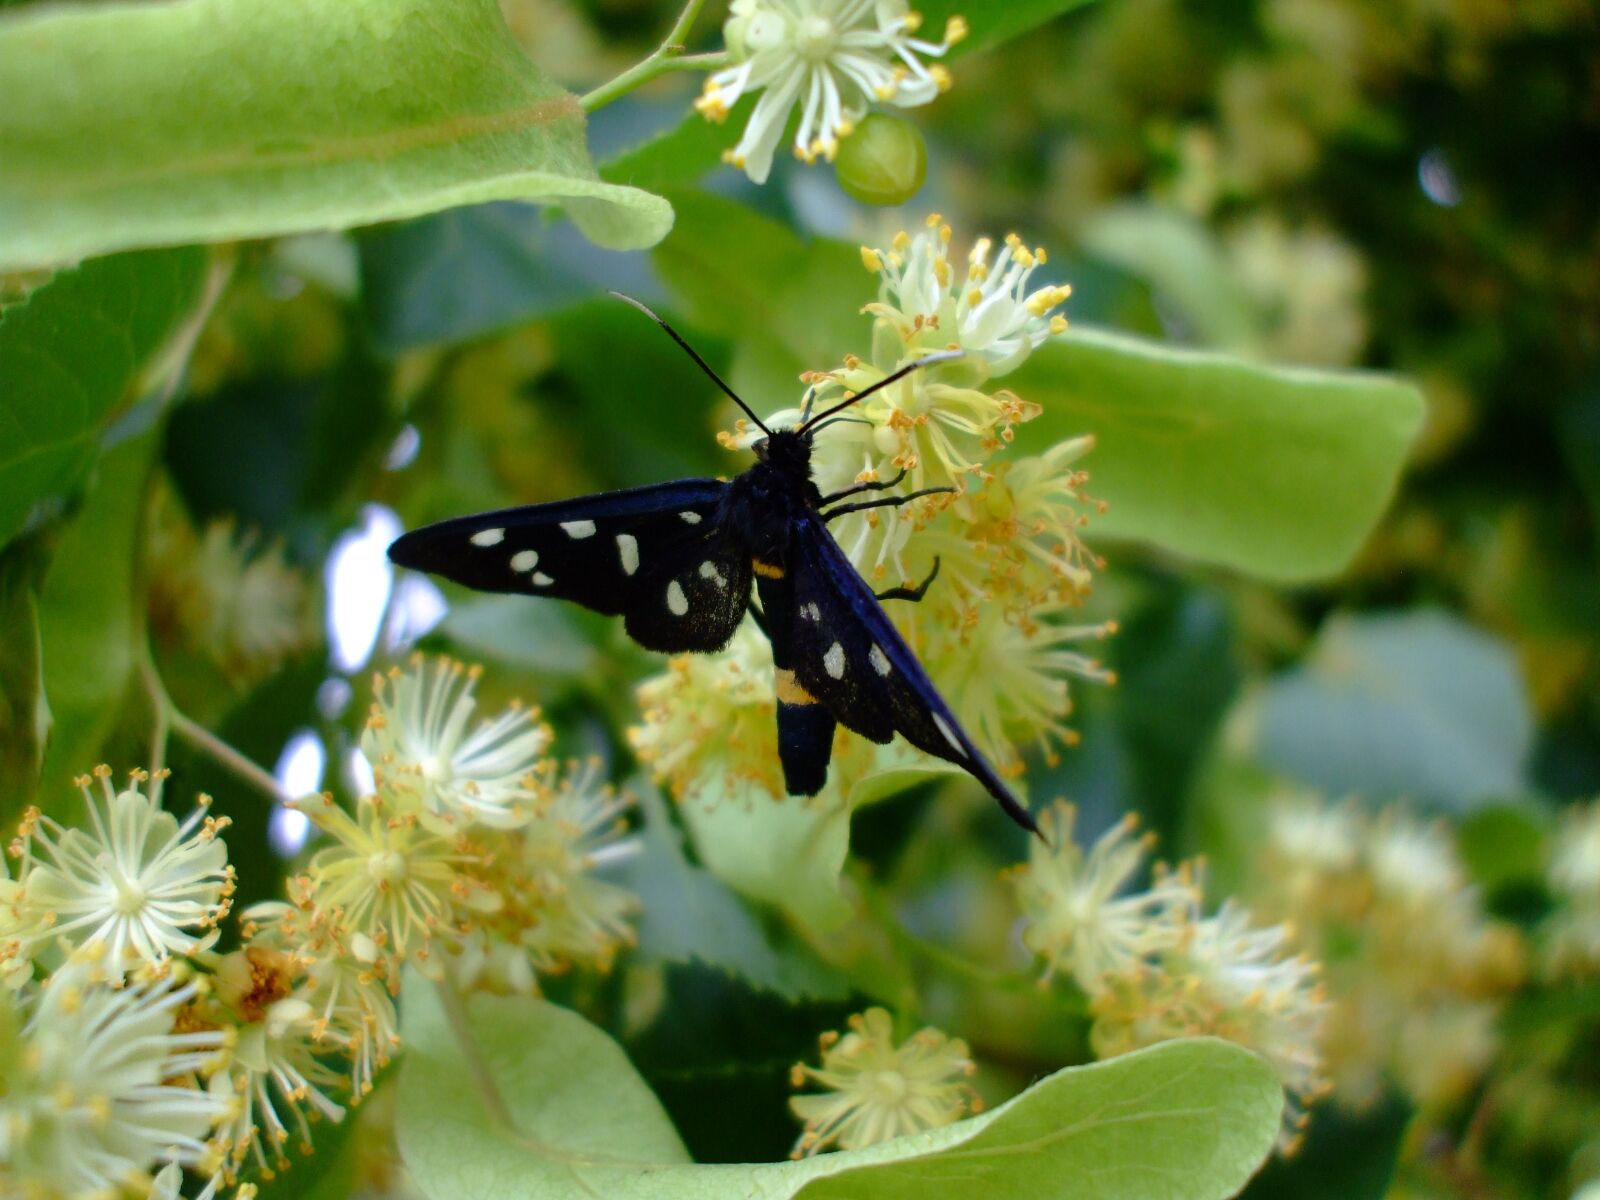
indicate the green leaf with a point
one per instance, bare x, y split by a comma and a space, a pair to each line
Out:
1417, 704
87, 622
24, 717
131, 124
1188, 1120
689, 915
1183, 261
787, 852
678, 156
470, 271
1276, 471
991, 22
543, 639
70, 354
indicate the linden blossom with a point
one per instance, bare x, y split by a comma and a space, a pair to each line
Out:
834, 57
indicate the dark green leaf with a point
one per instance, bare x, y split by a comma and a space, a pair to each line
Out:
70, 354
470, 271
992, 21
87, 618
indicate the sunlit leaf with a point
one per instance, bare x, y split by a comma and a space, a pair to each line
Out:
70, 354
1281, 472
1190, 1119
129, 124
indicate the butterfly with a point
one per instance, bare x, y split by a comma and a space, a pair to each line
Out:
677, 561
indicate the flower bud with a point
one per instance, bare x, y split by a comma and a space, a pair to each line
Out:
884, 161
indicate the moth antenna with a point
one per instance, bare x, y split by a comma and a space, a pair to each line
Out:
699, 362
894, 377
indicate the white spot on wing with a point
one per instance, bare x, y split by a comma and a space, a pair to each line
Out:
811, 612
949, 735
677, 602
524, 560
488, 537
833, 661
879, 660
708, 570
578, 529
628, 548
689, 518
543, 580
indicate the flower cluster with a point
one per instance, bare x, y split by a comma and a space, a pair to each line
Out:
1414, 967
832, 57
1154, 967
107, 1072
875, 1090
134, 1054
996, 631
1573, 943
227, 597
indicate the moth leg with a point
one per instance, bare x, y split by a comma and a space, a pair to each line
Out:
871, 486
888, 502
913, 594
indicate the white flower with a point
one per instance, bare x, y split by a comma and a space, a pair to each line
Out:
389, 880
137, 882
1079, 915
833, 58
877, 1090
427, 753
986, 309
98, 1085
1575, 862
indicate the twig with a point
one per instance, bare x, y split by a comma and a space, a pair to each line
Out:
668, 56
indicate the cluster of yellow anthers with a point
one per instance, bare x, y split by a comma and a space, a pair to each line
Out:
1415, 968
995, 631
832, 57
874, 1090
1155, 968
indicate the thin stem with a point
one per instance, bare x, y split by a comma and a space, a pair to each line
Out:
168, 717
456, 1013
668, 56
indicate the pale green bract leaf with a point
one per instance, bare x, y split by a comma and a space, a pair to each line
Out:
787, 852
1189, 1120
134, 124
1277, 471
72, 352
688, 915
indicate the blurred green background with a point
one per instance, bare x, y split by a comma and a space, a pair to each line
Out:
1406, 185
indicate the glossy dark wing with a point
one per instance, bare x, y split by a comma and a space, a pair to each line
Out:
848, 654
656, 555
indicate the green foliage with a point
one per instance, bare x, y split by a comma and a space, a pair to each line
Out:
215, 120
90, 632
74, 351
1277, 472
1413, 704
1187, 1119
991, 23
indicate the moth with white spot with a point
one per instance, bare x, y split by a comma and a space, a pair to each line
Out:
677, 561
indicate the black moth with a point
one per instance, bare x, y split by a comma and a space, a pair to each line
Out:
676, 561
